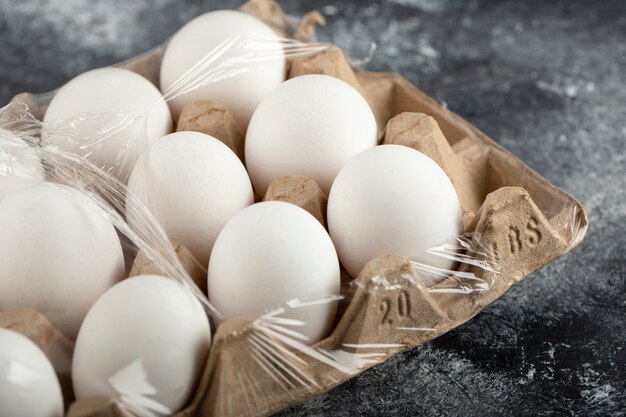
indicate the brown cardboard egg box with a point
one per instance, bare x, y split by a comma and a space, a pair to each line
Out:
518, 221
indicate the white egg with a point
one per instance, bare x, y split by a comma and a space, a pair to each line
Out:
57, 254
225, 55
147, 337
392, 200
116, 142
20, 165
193, 184
272, 255
310, 125
28, 385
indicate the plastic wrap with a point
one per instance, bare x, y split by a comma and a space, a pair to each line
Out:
77, 182
514, 221
274, 344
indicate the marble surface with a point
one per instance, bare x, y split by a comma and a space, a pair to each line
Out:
544, 79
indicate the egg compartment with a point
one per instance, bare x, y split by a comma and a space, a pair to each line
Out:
516, 222
83, 196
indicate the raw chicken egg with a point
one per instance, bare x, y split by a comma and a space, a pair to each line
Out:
392, 200
227, 56
145, 341
193, 184
127, 114
275, 255
29, 387
57, 254
311, 125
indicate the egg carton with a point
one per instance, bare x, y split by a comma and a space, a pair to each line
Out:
515, 222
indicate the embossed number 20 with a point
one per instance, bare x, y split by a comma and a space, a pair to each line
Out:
400, 309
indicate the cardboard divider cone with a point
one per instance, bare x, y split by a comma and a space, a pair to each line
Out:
213, 119
301, 191
142, 265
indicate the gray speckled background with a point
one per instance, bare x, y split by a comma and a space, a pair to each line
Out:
545, 79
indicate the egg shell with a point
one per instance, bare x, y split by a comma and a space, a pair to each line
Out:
193, 184
123, 139
311, 125
272, 255
227, 56
20, 164
392, 200
57, 254
146, 336
29, 386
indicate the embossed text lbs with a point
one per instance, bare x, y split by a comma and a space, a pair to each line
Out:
530, 236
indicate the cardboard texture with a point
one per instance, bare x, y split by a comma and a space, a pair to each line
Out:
318, 64
97, 406
301, 191
519, 223
143, 265
213, 119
